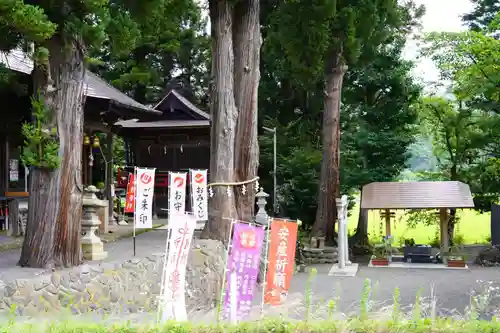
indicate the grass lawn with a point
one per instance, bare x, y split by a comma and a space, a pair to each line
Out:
474, 227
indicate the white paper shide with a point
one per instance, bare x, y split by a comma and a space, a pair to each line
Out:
174, 299
145, 186
176, 194
199, 195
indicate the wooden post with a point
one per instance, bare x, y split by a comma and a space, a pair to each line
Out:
109, 176
445, 242
387, 222
13, 207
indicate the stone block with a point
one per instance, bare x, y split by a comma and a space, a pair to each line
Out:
321, 242
114, 288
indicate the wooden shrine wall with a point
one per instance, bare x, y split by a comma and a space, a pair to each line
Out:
177, 151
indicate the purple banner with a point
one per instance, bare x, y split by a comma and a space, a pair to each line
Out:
244, 260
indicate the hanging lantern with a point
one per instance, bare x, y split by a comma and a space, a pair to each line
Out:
96, 143
86, 140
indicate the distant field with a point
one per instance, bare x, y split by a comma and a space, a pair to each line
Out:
474, 227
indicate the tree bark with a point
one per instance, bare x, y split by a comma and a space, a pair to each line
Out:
246, 45
329, 186
55, 202
234, 148
360, 237
224, 117
451, 225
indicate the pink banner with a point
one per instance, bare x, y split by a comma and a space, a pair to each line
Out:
244, 261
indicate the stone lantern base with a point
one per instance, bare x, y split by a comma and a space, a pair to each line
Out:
94, 251
92, 246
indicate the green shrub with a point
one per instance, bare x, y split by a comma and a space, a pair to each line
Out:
358, 326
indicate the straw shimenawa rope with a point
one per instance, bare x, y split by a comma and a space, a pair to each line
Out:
234, 183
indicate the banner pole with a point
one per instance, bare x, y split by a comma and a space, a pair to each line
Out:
266, 263
226, 270
162, 304
135, 204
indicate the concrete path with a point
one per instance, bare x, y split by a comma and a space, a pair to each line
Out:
451, 289
148, 243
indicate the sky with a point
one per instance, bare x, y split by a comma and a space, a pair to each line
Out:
440, 16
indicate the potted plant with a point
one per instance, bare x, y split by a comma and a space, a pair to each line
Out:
379, 257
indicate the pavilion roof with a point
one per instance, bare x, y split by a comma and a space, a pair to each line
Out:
416, 195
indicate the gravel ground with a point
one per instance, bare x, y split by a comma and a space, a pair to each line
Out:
451, 288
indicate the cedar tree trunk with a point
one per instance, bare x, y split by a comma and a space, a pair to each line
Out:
361, 235
451, 225
246, 45
233, 146
329, 186
55, 201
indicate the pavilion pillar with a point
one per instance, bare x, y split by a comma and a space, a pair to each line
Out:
388, 222
445, 242
109, 178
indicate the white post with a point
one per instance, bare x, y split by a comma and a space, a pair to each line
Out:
233, 299
340, 237
345, 229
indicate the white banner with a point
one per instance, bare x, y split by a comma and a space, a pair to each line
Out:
174, 297
144, 193
176, 194
199, 195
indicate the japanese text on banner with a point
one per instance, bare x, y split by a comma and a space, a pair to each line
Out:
280, 261
144, 189
130, 198
244, 260
199, 195
177, 194
175, 268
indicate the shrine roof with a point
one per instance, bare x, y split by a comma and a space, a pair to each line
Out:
416, 195
134, 123
95, 87
188, 106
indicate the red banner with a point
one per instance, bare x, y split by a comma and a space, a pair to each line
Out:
281, 260
130, 199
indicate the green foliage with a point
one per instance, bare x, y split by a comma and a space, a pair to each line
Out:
464, 139
469, 60
19, 19
41, 147
465, 128
379, 121
378, 115
169, 38
417, 325
483, 13
457, 132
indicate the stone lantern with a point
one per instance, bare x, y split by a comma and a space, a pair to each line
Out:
261, 217
92, 246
